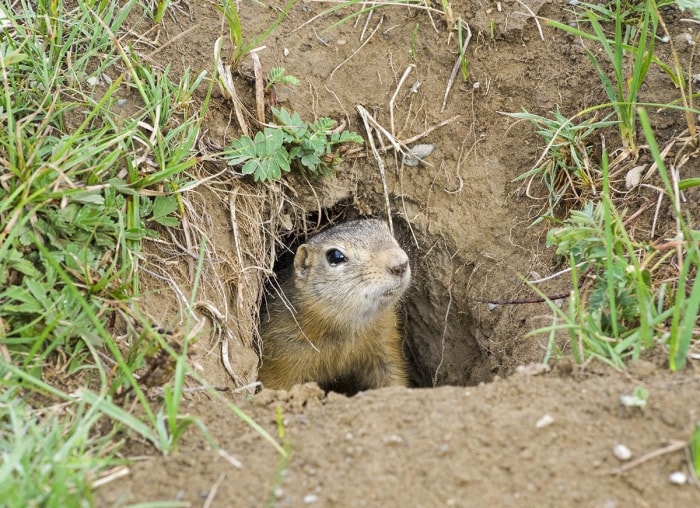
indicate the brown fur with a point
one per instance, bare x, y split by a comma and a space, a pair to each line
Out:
338, 324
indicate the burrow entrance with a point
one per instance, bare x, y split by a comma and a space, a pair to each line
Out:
441, 337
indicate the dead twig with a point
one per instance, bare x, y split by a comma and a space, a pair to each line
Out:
397, 145
355, 152
428, 131
534, 16
259, 88
213, 490
396, 93
227, 87
672, 447
367, 119
455, 68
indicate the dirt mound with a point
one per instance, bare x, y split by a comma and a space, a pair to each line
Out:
450, 446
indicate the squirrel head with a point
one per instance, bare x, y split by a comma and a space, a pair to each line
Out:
352, 271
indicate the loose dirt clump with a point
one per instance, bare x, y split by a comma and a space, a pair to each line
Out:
466, 226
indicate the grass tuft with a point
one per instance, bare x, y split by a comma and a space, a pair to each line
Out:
90, 171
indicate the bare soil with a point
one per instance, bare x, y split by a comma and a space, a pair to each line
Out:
473, 430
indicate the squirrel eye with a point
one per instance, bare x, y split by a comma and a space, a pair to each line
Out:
335, 257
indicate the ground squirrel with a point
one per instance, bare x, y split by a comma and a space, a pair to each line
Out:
339, 325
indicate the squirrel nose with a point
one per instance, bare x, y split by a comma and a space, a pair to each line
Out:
398, 269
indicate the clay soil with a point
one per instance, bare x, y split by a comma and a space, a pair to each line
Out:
474, 429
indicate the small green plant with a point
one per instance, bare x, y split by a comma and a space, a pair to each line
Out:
610, 316
447, 10
76, 202
49, 460
567, 170
686, 300
240, 46
638, 398
631, 13
414, 37
695, 449
464, 65
624, 310
623, 89
284, 458
158, 8
311, 147
277, 76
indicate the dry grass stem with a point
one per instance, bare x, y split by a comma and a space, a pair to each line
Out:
114, 474
393, 98
259, 88
214, 489
397, 145
227, 88
533, 15
366, 119
369, 17
672, 447
423, 134
230, 459
456, 66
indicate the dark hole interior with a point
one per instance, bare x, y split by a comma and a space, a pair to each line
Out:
421, 329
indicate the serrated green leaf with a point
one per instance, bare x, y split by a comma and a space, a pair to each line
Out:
323, 124
38, 291
250, 167
311, 161
19, 301
282, 161
168, 222
164, 205
94, 198
347, 137
17, 262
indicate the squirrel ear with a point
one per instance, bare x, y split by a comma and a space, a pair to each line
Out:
303, 260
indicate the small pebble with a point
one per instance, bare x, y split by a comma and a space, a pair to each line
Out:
678, 478
622, 452
545, 421
632, 401
417, 154
633, 177
684, 37
310, 498
393, 439
93, 80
